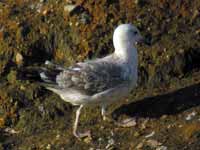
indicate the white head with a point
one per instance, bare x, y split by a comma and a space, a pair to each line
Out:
124, 39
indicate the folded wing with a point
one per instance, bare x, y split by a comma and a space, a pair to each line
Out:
88, 78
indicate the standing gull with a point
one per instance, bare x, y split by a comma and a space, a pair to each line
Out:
100, 81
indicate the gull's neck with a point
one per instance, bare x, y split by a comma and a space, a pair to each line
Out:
126, 52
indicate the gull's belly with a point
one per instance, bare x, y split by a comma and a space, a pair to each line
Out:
106, 97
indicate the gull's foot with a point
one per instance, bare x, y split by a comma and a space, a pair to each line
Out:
82, 135
108, 119
130, 122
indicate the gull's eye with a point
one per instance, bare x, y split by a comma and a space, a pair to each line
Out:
135, 32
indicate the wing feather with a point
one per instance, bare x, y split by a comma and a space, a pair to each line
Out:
91, 78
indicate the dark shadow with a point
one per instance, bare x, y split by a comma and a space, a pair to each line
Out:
167, 104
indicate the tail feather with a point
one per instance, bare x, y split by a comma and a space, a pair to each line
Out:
49, 74
46, 73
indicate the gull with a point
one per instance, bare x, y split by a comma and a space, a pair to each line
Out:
101, 81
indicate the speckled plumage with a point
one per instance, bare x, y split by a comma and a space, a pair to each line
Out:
101, 81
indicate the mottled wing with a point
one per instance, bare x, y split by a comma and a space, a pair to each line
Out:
91, 77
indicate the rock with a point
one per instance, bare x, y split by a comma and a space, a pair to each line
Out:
110, 144
48, 146
130, 122
140, 145
83, 15
197, 31
161, 148
42, 1
137, 2
57, 136
163, 117
190, 116
70, 8
11, 131
150, 135
38, 7
153, 143
144, 124
87, 139
19, 59
44, 12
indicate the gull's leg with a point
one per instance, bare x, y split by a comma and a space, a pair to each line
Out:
103, 112
77, 134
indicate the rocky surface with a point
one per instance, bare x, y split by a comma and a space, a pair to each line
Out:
166, 102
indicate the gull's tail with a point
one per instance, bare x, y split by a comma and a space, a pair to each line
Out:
45, 75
